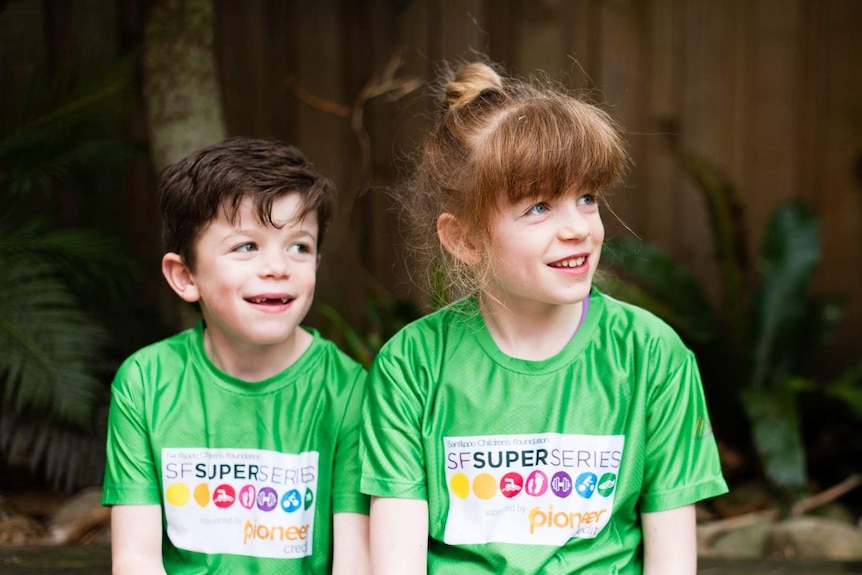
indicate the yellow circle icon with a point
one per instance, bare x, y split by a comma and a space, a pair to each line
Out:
202, 494
177, 494
460, 485
484, 486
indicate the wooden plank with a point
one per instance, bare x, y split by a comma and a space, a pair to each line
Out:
547, 44
318, 57
706, 83
584, 45
771, 128
462, 32
22, 42
811, 87
375, 220
503, 31
658, 183
839, 193
620, 84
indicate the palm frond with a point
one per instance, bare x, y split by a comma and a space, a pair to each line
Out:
59, 125
60, 135
49, 349
67, 457
82, 257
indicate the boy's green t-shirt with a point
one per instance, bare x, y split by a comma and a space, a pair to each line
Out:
248, 474
538, 466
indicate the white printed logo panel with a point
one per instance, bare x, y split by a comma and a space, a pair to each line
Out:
247, 502
540, 489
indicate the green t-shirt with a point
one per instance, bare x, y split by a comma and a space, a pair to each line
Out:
248, 474
538, 466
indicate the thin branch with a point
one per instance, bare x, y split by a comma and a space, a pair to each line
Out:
826, 496
317, 102
708, 531
386, 84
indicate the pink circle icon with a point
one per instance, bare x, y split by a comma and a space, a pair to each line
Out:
537, 483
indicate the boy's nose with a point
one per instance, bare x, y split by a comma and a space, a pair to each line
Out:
275, 264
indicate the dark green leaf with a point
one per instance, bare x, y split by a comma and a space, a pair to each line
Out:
777, 435
357, 347
728, 231
49, 350
789, 254
848, 389
648, 277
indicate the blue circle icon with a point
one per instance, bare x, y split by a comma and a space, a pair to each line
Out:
585, 484
291, 501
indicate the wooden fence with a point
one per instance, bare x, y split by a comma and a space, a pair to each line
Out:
769, 90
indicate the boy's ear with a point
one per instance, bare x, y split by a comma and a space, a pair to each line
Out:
453, 237
180, 277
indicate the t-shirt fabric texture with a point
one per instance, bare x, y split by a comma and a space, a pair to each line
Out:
248, 474
538, 466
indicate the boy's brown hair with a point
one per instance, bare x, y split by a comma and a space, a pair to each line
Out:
221, 176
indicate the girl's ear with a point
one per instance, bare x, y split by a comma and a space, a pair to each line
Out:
180, 277
454, 238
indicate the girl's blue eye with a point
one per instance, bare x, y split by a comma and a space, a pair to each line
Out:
588, 200
538, 209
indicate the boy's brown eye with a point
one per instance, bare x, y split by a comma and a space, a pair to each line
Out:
301, 248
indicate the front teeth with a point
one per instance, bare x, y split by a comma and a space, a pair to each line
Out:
283, 300
573, 263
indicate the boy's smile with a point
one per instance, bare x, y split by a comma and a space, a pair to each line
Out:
255, 284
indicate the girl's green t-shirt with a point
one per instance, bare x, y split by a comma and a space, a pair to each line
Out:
538, 466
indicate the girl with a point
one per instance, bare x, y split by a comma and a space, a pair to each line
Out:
535, 425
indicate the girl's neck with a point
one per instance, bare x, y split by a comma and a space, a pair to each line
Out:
255, 363
531, 332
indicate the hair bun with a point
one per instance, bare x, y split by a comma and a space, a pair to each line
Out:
470, 81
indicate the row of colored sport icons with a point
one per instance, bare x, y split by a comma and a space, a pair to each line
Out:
224, 496
536, 484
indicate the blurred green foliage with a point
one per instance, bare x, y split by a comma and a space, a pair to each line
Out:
384, 318
60, 143
759, 344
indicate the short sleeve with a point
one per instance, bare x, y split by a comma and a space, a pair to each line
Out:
682, 464
130, 469
391, 447
346, 497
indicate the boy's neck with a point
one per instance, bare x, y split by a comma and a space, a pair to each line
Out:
532, 334
255, 363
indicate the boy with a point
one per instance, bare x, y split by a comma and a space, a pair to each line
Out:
232, 444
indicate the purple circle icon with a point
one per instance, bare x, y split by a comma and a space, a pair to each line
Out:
561, 484
267, 499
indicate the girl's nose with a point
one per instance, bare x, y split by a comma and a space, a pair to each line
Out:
573, 225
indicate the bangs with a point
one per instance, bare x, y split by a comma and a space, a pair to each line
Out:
311, 192
550, 148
